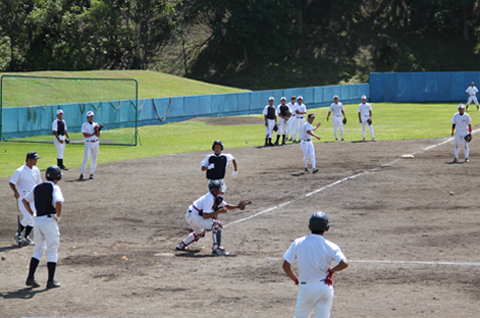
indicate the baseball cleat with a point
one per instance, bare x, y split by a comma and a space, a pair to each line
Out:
28, 241
306, 170
455, 160
343, 139
363, 138
52, 284
220, 251
92, 176
315, 170
18, 239
81, 177
181, 247
32, 283
467, 160
336, 139
373, 139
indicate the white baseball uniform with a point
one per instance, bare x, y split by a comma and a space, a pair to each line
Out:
26, 179
291, 130
461, 126
60, 126
270, 112
47, 235
336, 110
314, 255
91, 147
364, 110
307, 144
282, 123
300, 119
472, 95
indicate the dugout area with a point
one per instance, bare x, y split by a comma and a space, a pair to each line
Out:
412, 246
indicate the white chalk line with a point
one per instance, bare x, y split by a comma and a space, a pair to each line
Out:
334, 184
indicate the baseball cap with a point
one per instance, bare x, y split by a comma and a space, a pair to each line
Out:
300, 98
90, 113
283, 98
473, 82
33, 155
271, 98
461, 106
311, 115
293, 97
59, 111
364, 97
335, 96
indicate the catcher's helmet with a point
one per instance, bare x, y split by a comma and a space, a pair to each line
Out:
318, 222
53, 173
217, 142
214, 184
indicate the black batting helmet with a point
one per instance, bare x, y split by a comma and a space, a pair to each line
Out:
214, 184
53, 173
217, 142
318, 222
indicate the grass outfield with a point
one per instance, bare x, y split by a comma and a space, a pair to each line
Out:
391, 121
150, 85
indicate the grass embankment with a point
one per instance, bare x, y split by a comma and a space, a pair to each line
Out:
391, 121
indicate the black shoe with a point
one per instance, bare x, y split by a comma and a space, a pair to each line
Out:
315, 170
32, 283
92, 176
466, 160
63, 168
276, 143
306, 170
455, 160
81, 177
52, 284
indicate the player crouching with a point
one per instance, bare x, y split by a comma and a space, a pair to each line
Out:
201, 216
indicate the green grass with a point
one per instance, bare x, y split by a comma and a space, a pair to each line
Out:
391, 121
30, 92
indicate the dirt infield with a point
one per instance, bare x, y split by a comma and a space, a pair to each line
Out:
413, 247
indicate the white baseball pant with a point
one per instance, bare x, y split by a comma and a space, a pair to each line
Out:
364, 122
472, 99
47, 238
199, 224
291, 125
60, 147
337, 122
318, 296
308, 151
28, 219
460, 137
282, 126
269, 128
299, 121
91, 148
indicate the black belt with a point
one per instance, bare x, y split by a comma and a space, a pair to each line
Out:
307, 140
300, 117
91, 140
47, 215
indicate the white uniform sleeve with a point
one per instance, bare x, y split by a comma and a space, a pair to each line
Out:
453, 119
359, 110
65, 124
57, 194
30, 197
15, 176
341, 106
469, 122
54, 125
204, 163
331, 108
265, 111
84, 128
208, 203
38, 177
338, 255
290, 255
229, 157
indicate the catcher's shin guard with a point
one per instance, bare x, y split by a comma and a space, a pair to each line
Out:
216, 227
192, 237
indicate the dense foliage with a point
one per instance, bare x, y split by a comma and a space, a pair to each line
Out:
242, 42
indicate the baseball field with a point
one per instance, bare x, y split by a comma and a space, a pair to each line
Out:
408, 226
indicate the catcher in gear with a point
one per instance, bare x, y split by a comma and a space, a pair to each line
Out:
91, 135
314, 255
336, 109
216, 164
201, 217
59, 128
365, 117
462, 122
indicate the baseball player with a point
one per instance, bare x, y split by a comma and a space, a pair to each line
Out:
472, 93
26, 177
282, 111
59, 128
463, 123
306, 135
300, 112
270, 115
216, 164
365, 117
314, 255
201, 216
47, 198
90, 135
336, 108
291, 120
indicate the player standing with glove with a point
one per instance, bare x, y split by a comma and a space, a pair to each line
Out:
59, 128
314, 255
216, 164
91, 134
463, 123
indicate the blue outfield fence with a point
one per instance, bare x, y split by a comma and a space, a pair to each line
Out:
37, 120
421, 87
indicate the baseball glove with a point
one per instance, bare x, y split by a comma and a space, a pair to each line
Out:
67, 141
344, 121
468, 138
99, 127
241, 205
369, 121
275, 128
288, 113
